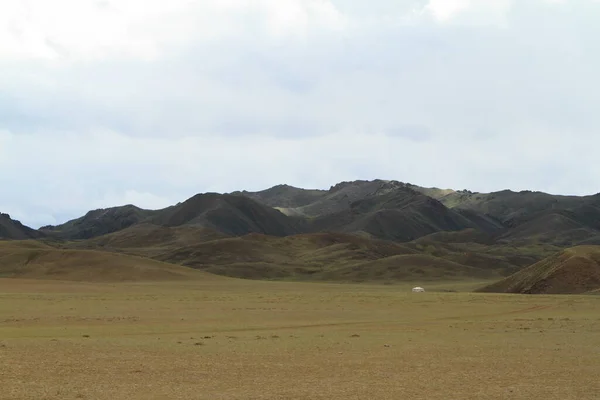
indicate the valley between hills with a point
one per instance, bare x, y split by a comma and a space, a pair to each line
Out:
362, 231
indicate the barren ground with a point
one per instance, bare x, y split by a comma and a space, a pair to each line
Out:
231, 339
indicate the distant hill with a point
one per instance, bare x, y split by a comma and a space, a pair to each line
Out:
338, 198
381, 209
515, 208
524, 217
560, 227
12, 229
575, 270
284, 196
99, 222
228, 214
400, 214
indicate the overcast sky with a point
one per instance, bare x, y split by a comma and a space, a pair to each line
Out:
109, 102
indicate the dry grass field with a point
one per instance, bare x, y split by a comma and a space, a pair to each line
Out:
220, 338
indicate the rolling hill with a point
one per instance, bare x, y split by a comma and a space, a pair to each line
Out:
34, 260
305, 256
148, 240
320, 256
575, 270
260, 256
412, 267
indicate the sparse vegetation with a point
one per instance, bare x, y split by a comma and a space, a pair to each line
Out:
317, 341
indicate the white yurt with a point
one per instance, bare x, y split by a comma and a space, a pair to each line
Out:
418, 289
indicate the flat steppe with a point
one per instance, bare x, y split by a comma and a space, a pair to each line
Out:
221, 338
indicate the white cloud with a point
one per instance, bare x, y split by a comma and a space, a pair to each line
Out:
150, 102
470, 12
88, 30
444, 10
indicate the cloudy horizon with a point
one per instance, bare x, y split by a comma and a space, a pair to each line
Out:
111, 102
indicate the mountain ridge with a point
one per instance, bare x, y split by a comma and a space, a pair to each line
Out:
362, 207
380, 230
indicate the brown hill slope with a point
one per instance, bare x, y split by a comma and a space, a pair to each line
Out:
12, 229
293, 255
575, 270
34, 260
321, 256
412, 267
476, 249
149, 240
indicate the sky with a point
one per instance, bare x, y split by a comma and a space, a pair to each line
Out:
148, 102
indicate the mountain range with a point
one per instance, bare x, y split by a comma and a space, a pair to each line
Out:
356, 231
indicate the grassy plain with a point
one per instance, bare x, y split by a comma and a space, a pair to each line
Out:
221, 338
